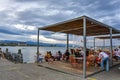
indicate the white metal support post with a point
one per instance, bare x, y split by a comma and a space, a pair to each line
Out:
38, 45
94, 44
111, 55
67, 41
84, 38
103, 43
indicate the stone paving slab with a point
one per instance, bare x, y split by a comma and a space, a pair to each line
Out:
11, 71
113, 74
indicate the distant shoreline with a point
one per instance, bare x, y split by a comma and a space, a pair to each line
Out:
31, 46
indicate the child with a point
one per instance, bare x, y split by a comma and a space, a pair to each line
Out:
40, 59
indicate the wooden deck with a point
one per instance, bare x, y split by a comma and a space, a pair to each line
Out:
68, 68
72, 69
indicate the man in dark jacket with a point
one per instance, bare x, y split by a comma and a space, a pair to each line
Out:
67, 55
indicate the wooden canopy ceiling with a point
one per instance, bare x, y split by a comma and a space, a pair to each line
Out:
108, 37
75, 26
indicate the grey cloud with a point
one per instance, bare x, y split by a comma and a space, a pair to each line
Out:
49, 34
14, 31
9, 32
26, 0
56, 11
29, 17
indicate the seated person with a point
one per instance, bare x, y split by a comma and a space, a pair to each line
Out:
118, 54
63, 57
49, 58
97, 62
57, 57
77, 54
60, 55
91, 58
67, 55
40, 58
72, 56
115, 54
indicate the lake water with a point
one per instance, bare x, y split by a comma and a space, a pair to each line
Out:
29, 53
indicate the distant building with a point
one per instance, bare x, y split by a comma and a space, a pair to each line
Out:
22, 44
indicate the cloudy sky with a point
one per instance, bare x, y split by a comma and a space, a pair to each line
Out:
21, 18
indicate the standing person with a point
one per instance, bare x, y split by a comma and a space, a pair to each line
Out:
104, 59
0, 54
67, 55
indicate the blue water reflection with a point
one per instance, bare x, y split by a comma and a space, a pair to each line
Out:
29, 53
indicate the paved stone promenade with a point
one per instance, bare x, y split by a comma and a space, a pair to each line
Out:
11, 71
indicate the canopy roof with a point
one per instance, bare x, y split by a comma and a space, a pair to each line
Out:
75, 26
108, 37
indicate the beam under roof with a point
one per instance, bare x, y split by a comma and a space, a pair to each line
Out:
108, 37
75, 26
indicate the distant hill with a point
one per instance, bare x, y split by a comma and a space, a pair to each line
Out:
27, 43
8, 41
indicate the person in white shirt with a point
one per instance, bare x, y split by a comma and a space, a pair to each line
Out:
104, 59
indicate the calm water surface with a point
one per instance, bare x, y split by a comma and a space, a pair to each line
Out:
29, 53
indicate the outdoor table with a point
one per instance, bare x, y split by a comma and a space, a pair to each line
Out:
79, 59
